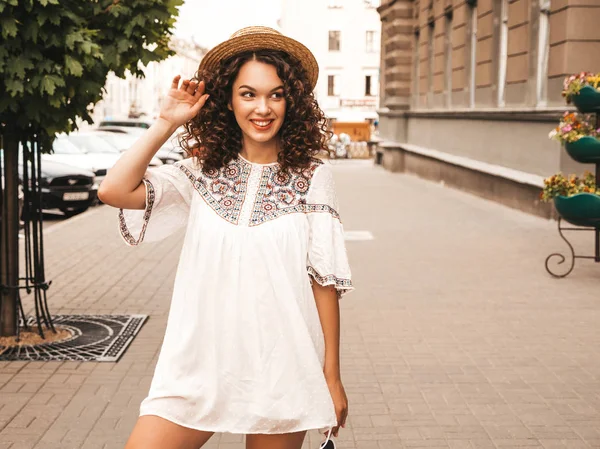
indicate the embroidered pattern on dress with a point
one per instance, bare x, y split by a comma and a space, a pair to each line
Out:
278, 193
224, 190
150, 196
284, 193
329, 279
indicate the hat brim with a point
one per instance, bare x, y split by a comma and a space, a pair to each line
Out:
262, 41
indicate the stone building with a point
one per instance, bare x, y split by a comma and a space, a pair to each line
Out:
344, 36
471, 88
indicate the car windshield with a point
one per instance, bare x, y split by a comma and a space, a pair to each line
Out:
121, 140
91, 144
62, 146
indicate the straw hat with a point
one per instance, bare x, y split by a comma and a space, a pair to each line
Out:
261, 38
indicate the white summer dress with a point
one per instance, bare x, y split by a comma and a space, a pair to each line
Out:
243, 350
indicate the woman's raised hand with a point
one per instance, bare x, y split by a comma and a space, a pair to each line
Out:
182, 103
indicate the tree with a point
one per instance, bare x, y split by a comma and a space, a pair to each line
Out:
54, 60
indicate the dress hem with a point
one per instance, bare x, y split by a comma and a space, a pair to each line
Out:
235, 431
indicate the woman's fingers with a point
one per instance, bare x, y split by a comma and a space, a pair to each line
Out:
184, 85
199, 90
175, 83
201, 102
343, 414
192, 87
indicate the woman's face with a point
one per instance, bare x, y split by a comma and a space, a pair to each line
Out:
257, 102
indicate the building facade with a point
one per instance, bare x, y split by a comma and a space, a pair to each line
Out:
471, 88
344, 36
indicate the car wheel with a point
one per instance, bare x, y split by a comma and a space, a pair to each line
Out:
72, 212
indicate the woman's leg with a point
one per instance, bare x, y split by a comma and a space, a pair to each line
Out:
153, 432
275, 441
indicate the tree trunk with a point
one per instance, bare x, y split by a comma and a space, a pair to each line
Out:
9, 276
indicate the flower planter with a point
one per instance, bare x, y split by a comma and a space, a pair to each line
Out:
588, 99
582, 209
585, 150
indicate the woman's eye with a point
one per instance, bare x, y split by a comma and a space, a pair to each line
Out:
278, 94
247, 94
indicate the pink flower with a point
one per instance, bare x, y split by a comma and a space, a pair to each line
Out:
567, 128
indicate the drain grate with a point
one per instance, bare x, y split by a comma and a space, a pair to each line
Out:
97, 338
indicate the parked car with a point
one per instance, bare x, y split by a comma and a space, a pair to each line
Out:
66, 152
128, 122
70, 189
169, 153
123, 140
88, 151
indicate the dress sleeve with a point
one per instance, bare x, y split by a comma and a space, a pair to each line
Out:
327, 259
168, 199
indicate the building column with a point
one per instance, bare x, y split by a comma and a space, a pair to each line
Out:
397, 36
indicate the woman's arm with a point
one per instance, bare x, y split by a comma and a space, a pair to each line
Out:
329, 314
123, 186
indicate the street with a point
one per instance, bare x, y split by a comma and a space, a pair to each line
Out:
456, 337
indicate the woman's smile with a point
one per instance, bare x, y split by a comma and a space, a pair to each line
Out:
262, 125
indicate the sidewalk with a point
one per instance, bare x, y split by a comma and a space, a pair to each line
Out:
456, 337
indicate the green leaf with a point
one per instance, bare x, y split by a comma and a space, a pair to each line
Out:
71, 38
54, 19
30, 32
19, 65
48, 85
86, 47
8, 25
72, 66
14, 87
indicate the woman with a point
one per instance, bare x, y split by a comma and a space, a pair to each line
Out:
252, 339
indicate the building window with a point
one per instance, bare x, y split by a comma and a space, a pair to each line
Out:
542, 54
472, 53
334, 41
333, 85
368, 80
416, 70
430, 55
448, 60
503, 50
370, 42
334, 3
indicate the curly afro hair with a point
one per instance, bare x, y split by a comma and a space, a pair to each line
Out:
215, 138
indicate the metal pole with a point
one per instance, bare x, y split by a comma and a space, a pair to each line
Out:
10, 238
597, 231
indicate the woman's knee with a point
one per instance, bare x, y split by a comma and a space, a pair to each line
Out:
154, 432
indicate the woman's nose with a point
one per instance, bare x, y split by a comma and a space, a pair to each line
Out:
262, 107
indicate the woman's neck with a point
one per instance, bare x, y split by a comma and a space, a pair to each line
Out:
260, 153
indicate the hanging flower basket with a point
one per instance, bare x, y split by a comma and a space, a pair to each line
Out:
583, 91
585, 150
582, 209
588, 99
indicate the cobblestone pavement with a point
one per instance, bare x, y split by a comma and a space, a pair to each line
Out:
456, 337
